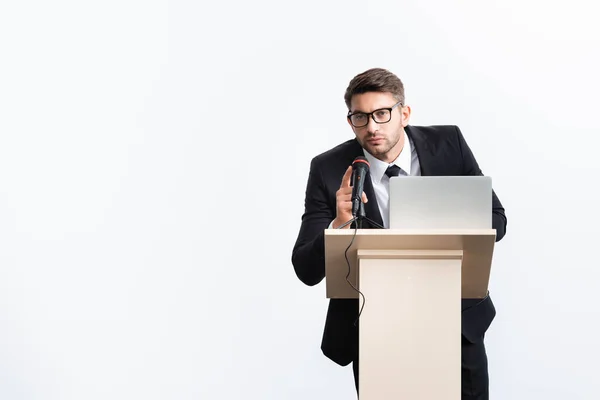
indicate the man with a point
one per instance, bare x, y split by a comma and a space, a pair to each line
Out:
379, 117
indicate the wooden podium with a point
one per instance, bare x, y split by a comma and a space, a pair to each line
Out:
412, 282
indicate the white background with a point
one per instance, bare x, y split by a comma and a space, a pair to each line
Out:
153, 161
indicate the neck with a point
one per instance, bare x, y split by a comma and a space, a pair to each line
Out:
391, 155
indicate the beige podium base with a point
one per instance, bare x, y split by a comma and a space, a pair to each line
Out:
409, 337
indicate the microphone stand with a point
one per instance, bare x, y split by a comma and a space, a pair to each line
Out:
362, 216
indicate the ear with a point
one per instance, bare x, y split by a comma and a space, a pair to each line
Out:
405, 115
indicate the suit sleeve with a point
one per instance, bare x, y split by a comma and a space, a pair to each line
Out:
308, 254
471, 167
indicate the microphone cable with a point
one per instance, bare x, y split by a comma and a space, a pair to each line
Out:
349, 270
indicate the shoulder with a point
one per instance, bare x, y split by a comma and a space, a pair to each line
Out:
343, 154
331, 165
434, 131
436, 136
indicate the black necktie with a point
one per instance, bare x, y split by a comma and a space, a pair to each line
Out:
394, 170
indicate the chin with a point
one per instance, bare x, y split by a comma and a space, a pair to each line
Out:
377, 149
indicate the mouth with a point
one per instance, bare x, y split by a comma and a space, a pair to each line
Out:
375, 140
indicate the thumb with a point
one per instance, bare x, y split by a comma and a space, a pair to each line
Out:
364, 198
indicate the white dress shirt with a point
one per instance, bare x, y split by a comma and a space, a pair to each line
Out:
407, 160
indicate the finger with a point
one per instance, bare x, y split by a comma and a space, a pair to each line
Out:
344, 197
344, 191
346, 178
341, 196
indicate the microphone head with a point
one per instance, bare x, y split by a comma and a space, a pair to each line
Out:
360, 162
360, 167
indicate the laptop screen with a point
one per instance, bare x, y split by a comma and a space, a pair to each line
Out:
440, 202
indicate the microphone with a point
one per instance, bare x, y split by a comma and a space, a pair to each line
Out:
360, 167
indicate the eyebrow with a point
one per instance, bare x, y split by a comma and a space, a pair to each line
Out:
364, 112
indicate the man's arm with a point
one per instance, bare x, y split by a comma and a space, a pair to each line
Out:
470, 167
308, 255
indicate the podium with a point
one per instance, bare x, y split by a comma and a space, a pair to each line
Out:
412, 282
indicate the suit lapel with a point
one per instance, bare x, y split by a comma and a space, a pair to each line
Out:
428, 162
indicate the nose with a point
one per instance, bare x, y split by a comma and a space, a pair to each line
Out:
372, 126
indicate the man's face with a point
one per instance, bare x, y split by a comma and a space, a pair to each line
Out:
383, 140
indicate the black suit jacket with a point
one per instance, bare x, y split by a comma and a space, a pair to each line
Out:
442, 150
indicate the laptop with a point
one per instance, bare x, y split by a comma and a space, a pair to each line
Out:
441, 202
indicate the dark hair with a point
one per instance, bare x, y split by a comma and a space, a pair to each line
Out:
375, 80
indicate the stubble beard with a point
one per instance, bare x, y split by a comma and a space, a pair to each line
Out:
381, 149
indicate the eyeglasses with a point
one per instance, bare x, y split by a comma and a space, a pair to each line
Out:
380, 116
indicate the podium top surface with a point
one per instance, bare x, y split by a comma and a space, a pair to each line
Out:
477, 247
411, 232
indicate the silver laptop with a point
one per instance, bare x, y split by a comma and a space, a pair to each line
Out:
441, 202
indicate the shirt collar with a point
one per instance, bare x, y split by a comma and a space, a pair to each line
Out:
377, 167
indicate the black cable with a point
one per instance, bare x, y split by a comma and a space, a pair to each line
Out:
348, 264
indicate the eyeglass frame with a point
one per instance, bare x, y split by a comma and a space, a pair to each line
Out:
371, 115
